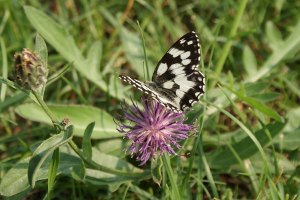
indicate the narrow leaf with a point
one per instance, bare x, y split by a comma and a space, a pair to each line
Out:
86, 143
258, 105
94, 57
41, 49
249, 61
44, 150
273, 35
156, 171
53, 168
245, 148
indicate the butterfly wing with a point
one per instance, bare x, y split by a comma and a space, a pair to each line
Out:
136, 83
149, 90
177, 76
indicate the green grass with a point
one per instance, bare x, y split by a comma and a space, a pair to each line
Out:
246, 145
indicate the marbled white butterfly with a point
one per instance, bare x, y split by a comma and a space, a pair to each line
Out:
176, 82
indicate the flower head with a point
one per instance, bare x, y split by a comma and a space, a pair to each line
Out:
30, 71
155, 130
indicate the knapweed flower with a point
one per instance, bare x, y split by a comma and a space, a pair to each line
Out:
154, 130
30, 71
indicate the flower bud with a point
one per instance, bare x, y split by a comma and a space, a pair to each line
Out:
30, 71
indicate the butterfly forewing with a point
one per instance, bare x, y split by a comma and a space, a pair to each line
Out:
176, 81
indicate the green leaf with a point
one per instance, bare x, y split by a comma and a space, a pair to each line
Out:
78, 173
86, 143
10, 101
45, 149
156, 170
4, 69
249, 61
267, 97
131, 43
288, 48
64, 43
293, 117
55, 34
289, 140
16, 179
107, 14
17, 87
113, 147
79, 116
134, 51
53, 167
255, 88
258, 105
94, 57
41, 49
245, 148
143, 194
283, 163
102, 178
273, 35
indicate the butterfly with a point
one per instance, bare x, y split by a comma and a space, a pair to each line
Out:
176, 82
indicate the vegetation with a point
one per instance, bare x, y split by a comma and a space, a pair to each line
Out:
60, 140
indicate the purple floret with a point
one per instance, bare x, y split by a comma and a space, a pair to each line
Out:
155, 130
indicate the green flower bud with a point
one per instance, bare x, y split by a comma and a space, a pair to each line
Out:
30, 71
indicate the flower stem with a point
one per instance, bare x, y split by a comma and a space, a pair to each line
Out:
167, 164
91, 163
45, 107
94, 165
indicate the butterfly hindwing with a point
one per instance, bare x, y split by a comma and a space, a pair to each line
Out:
176, 82
178, 71
185, 52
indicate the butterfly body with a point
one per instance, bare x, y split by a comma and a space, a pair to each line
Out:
176, 82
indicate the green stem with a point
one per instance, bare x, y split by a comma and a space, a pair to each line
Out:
169, 170
94, 165
232, 34
207, 169
191, 161
144, 50
45, 107
90, 162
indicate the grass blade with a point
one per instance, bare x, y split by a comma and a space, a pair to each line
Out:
4, 70
227, 47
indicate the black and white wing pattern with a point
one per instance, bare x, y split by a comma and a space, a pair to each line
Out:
176, 82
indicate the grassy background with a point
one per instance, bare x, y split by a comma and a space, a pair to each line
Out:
248, 119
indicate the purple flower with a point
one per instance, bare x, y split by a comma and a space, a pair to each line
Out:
155, 130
